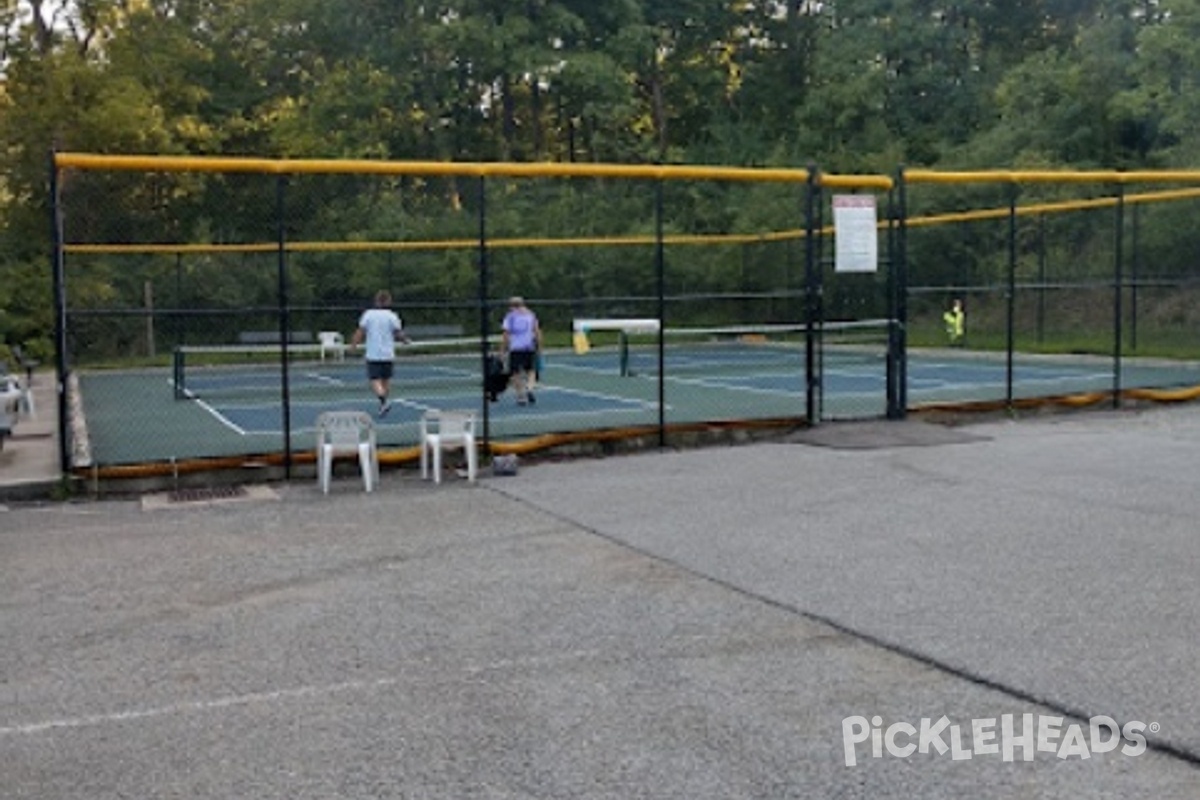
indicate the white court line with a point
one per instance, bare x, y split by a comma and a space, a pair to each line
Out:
325, 379
596, 395
708, 384
735, 387
471, 398
221, 418
1000, 383
608, 372
1065, 378
573, 414
403, 401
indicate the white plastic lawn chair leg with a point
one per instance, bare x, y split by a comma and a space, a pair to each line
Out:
366, 463
471, 460
325, 466
26, 403
424, 459
437, 461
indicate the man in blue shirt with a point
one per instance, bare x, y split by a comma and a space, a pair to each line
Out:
522, 341
380, 328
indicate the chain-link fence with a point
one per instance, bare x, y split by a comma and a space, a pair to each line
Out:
1073, 289
205, 306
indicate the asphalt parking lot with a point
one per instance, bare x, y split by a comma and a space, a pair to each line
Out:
869, 611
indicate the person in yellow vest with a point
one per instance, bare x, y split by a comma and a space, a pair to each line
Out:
955, 320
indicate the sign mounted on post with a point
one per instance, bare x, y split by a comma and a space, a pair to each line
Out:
855, 232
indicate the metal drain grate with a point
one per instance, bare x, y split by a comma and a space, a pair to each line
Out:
206, 494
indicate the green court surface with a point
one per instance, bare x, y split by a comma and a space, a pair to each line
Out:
230, 409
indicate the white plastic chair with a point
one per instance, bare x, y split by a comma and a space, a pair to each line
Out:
332, 342
447, 430
26, 403
10, 397
343, 432
20, 396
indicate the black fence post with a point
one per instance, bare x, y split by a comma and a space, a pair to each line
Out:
484, 312
789, 264
1011, 297
812, 382
180, 316
895, 291
660, 266
822, 259
285, 332
900, 324
1041, 300
61, 364
1135, 265
1118, 290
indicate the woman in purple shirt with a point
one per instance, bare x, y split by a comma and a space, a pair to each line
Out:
522, 340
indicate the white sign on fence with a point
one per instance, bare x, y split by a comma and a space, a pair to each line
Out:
855, 233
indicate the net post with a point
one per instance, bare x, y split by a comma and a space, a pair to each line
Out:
177, 369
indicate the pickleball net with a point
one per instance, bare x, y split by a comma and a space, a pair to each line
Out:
255, 373
739, 349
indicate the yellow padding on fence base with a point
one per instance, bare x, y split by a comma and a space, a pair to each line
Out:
580, 342
1165, 395
1080, 400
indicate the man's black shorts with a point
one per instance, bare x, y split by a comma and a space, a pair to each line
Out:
379, 370
521, 361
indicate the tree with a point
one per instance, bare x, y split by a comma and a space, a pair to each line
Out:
852, 85
1162, 102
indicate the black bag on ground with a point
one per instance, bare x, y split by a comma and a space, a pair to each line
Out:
496, 380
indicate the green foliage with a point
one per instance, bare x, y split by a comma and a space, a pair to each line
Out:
26, 318
860, 86
1162, 100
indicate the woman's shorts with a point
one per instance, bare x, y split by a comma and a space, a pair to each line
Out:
521, 361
